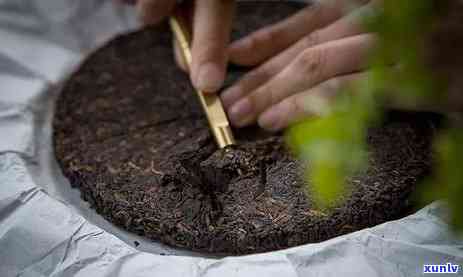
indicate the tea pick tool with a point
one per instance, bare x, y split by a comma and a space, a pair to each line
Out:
210, 102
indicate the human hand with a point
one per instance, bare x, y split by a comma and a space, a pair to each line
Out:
211, 24
302, 60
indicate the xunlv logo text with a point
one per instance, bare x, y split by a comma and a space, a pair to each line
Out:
441, 268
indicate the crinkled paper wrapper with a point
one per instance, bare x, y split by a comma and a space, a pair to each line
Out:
47, 230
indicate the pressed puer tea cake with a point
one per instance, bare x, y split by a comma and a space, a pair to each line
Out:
130, 134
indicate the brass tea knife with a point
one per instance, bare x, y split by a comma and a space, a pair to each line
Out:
211, 104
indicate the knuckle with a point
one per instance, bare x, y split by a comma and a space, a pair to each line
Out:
254, 100
262, 99
295, 105
311, 62
293, 108
271, 95
259, 74
313, 10
312, 39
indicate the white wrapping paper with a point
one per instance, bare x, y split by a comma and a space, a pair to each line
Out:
47, 230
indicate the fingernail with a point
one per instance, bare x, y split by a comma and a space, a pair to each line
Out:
240, 113
271, 120
209, 77
230, 96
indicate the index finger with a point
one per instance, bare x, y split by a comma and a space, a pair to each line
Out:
212, 22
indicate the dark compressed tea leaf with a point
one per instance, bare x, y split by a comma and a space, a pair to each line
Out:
130, 134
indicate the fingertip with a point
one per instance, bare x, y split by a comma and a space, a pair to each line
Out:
209, 78
272, 119
241, 113
240, 52
230, 96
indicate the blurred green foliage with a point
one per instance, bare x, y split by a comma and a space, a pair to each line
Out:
447, 182
334, 145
